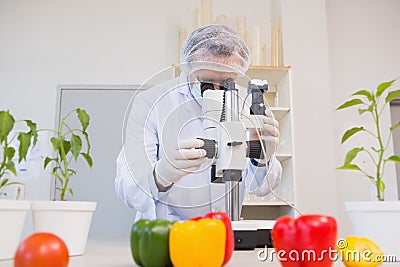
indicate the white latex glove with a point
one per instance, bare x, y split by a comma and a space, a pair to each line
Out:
270, 134
179, 161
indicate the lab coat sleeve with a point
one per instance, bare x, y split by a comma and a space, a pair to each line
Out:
134, 182
259, 180
130, 191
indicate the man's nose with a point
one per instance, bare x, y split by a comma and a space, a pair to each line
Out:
217, 86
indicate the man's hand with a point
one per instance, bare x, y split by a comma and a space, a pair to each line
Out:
178, 162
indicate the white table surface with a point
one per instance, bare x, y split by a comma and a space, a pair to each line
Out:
116, 253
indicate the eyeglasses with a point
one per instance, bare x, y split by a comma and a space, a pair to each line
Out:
213, 81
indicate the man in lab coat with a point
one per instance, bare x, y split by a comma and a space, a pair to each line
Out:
161, 173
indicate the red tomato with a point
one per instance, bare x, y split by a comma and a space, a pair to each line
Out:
42, 250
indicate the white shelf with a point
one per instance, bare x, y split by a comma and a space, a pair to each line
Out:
279, 98
279, 112
283, 156
273, 74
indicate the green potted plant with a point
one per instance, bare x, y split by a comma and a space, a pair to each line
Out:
12, 212
366, 215
68, 219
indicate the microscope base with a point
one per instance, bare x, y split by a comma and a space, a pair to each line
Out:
250, 234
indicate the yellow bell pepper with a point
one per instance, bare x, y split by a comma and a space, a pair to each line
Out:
198, 243
360, 252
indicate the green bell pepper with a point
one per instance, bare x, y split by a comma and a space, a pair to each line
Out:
150, 243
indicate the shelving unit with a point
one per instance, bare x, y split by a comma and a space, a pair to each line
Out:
279, 99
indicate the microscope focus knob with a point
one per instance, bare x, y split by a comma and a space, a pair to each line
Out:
210, 146
254, 149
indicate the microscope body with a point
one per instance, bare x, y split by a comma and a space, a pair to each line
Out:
228, 145
229, 136
226, 140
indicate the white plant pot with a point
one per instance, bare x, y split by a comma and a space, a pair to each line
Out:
379, 221
70, 220
12, 219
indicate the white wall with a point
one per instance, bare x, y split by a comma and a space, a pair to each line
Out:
364, 46
46, 43
306, 50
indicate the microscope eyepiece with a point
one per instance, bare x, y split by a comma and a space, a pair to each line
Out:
257, 88
257, 85
206, 86
228, 84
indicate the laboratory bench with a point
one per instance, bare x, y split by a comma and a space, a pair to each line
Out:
116, 253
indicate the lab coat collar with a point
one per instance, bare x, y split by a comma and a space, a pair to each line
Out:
183, 83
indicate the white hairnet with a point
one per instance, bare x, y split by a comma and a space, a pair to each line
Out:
214, 47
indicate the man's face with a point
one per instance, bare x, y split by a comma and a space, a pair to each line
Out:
212, 76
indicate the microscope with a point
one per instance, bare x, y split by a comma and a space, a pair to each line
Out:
227, 146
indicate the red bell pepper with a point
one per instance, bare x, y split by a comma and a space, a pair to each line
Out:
230, 240
307, 241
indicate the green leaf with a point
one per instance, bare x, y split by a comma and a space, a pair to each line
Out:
352, 154
76, 145
363, 110
11, 167
24, 144
85, 134
382, 87
88, 159
349, 133
394, 127
6, 124
350, 167
381, 185
70, 191
3, 182
33, 131
83, 118
47, 160
54, 142
364, 93
57, 147
72, 172
9, 152
350, 103
67, 146
392, 95
11, 183
372, 179
394, 158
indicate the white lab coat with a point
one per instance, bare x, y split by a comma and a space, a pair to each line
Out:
160, 116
